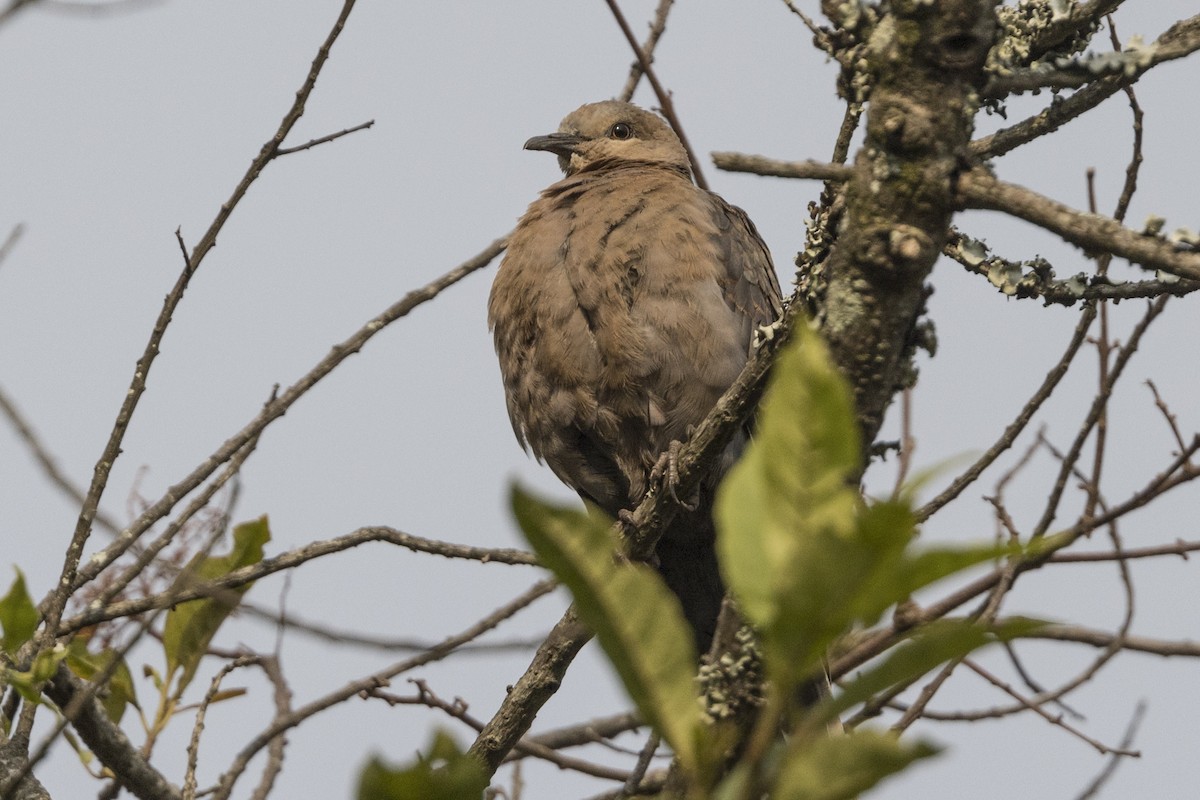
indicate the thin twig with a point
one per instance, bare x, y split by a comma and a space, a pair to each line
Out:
10, 241
908, 442
49, 465
775, 168
1138, 644
279, 406
52, 607
1037, 279
283, 151
289, 560
1094, 413
1088, 231
1179, 548
290, 622
643, 763
1014, 428
870, 645
1172, 422
652, 784
458, 710
594, 731
664, 97
1181, 39
193, 748
820, 36
13, 8
1135, 722
657, 27
1057, 721
148, 554
281, 725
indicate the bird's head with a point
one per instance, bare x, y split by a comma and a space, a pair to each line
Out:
612, 131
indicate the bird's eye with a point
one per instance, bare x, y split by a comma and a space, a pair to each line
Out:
621, 131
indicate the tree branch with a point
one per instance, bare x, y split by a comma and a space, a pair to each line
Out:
289, 560
977, 189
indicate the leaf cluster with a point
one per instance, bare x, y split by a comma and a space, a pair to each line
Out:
806, 559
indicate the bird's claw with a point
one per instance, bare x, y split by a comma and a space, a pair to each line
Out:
666, 469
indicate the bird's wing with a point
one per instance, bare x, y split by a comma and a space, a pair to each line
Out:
750, 284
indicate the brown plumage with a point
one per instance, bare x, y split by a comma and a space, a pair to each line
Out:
625, 306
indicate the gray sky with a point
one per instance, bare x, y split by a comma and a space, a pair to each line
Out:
118, 130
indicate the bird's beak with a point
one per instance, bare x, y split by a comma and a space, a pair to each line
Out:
561, 144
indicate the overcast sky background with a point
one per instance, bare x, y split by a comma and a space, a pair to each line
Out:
117, 130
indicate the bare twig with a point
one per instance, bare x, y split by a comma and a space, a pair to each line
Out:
270, 667
1088, 231
288, 621
193, 749
458, 709
1094, 413
643, 763
148, 554
52, 607
280, 405
1095, 638
10, 241
908, 442
1014, 428
775, 168
1055, 720
820, 37
1179, 548
664, 97
281, 725
593, 731
657, 27
1181, 39
652, 784
13, 8
288, 560
872, 644
1135, 722
1172, 422
46, 461
103, 8
535, 686
283, 151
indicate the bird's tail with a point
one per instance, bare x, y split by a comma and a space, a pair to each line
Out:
687, 561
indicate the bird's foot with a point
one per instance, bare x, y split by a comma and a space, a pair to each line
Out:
666, 469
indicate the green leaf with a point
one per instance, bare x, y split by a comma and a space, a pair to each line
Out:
18, 615
842, 766
636, 618
934, 645
119, 692
191, 626
805, 556
786, 514
29, 683
445, 774
890, 573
